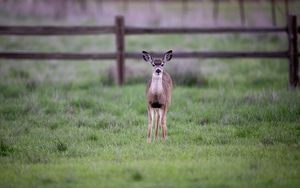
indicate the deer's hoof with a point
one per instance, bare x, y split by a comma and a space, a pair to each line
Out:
148, 140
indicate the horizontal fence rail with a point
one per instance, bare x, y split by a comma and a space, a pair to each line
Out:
96, 30
120, 30
278, 54
137, 30
56, 30
57, 56
137, 55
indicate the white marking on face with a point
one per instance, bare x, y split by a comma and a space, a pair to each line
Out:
157, 73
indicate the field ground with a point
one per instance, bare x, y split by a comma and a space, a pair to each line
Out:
232, 123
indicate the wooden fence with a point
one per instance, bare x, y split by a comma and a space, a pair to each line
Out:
120, 31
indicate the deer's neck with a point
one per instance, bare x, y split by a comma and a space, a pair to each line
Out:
156, 85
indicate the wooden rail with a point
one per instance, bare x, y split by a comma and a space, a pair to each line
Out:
277, 54
57, 56
56, 30
219, 30
136, 55
96, 30
120, 31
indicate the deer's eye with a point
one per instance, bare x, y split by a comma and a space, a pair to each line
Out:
153, 65
162, 65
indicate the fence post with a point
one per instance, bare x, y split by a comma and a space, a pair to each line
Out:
120, 47
293, 52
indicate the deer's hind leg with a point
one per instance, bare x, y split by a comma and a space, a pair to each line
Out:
150, 123
163, 114
158, 122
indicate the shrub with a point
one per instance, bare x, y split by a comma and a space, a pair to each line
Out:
5, 149
61, 146
182, 73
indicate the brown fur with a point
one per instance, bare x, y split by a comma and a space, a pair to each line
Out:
164, 98
158, 104
158, 92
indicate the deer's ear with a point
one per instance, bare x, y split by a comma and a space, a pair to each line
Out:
147, 57
168, 56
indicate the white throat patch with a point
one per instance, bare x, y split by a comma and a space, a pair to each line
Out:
156, 84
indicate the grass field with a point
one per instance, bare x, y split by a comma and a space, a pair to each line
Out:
63, 125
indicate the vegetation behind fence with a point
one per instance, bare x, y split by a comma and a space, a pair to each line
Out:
157, 12
120, 30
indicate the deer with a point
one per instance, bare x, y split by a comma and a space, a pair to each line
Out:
158, 94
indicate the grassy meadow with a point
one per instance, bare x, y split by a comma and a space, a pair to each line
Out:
232, 122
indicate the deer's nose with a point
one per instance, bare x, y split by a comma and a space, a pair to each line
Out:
158, 71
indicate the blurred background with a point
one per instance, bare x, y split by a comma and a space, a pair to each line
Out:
154, 13
149, 12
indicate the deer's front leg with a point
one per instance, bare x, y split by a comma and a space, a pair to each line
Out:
163, 115
157, 123
150, 118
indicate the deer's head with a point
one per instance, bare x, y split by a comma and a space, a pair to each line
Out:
157, 63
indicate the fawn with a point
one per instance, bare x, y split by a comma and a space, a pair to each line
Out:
158, 92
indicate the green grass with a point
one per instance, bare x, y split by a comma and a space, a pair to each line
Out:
61, 125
